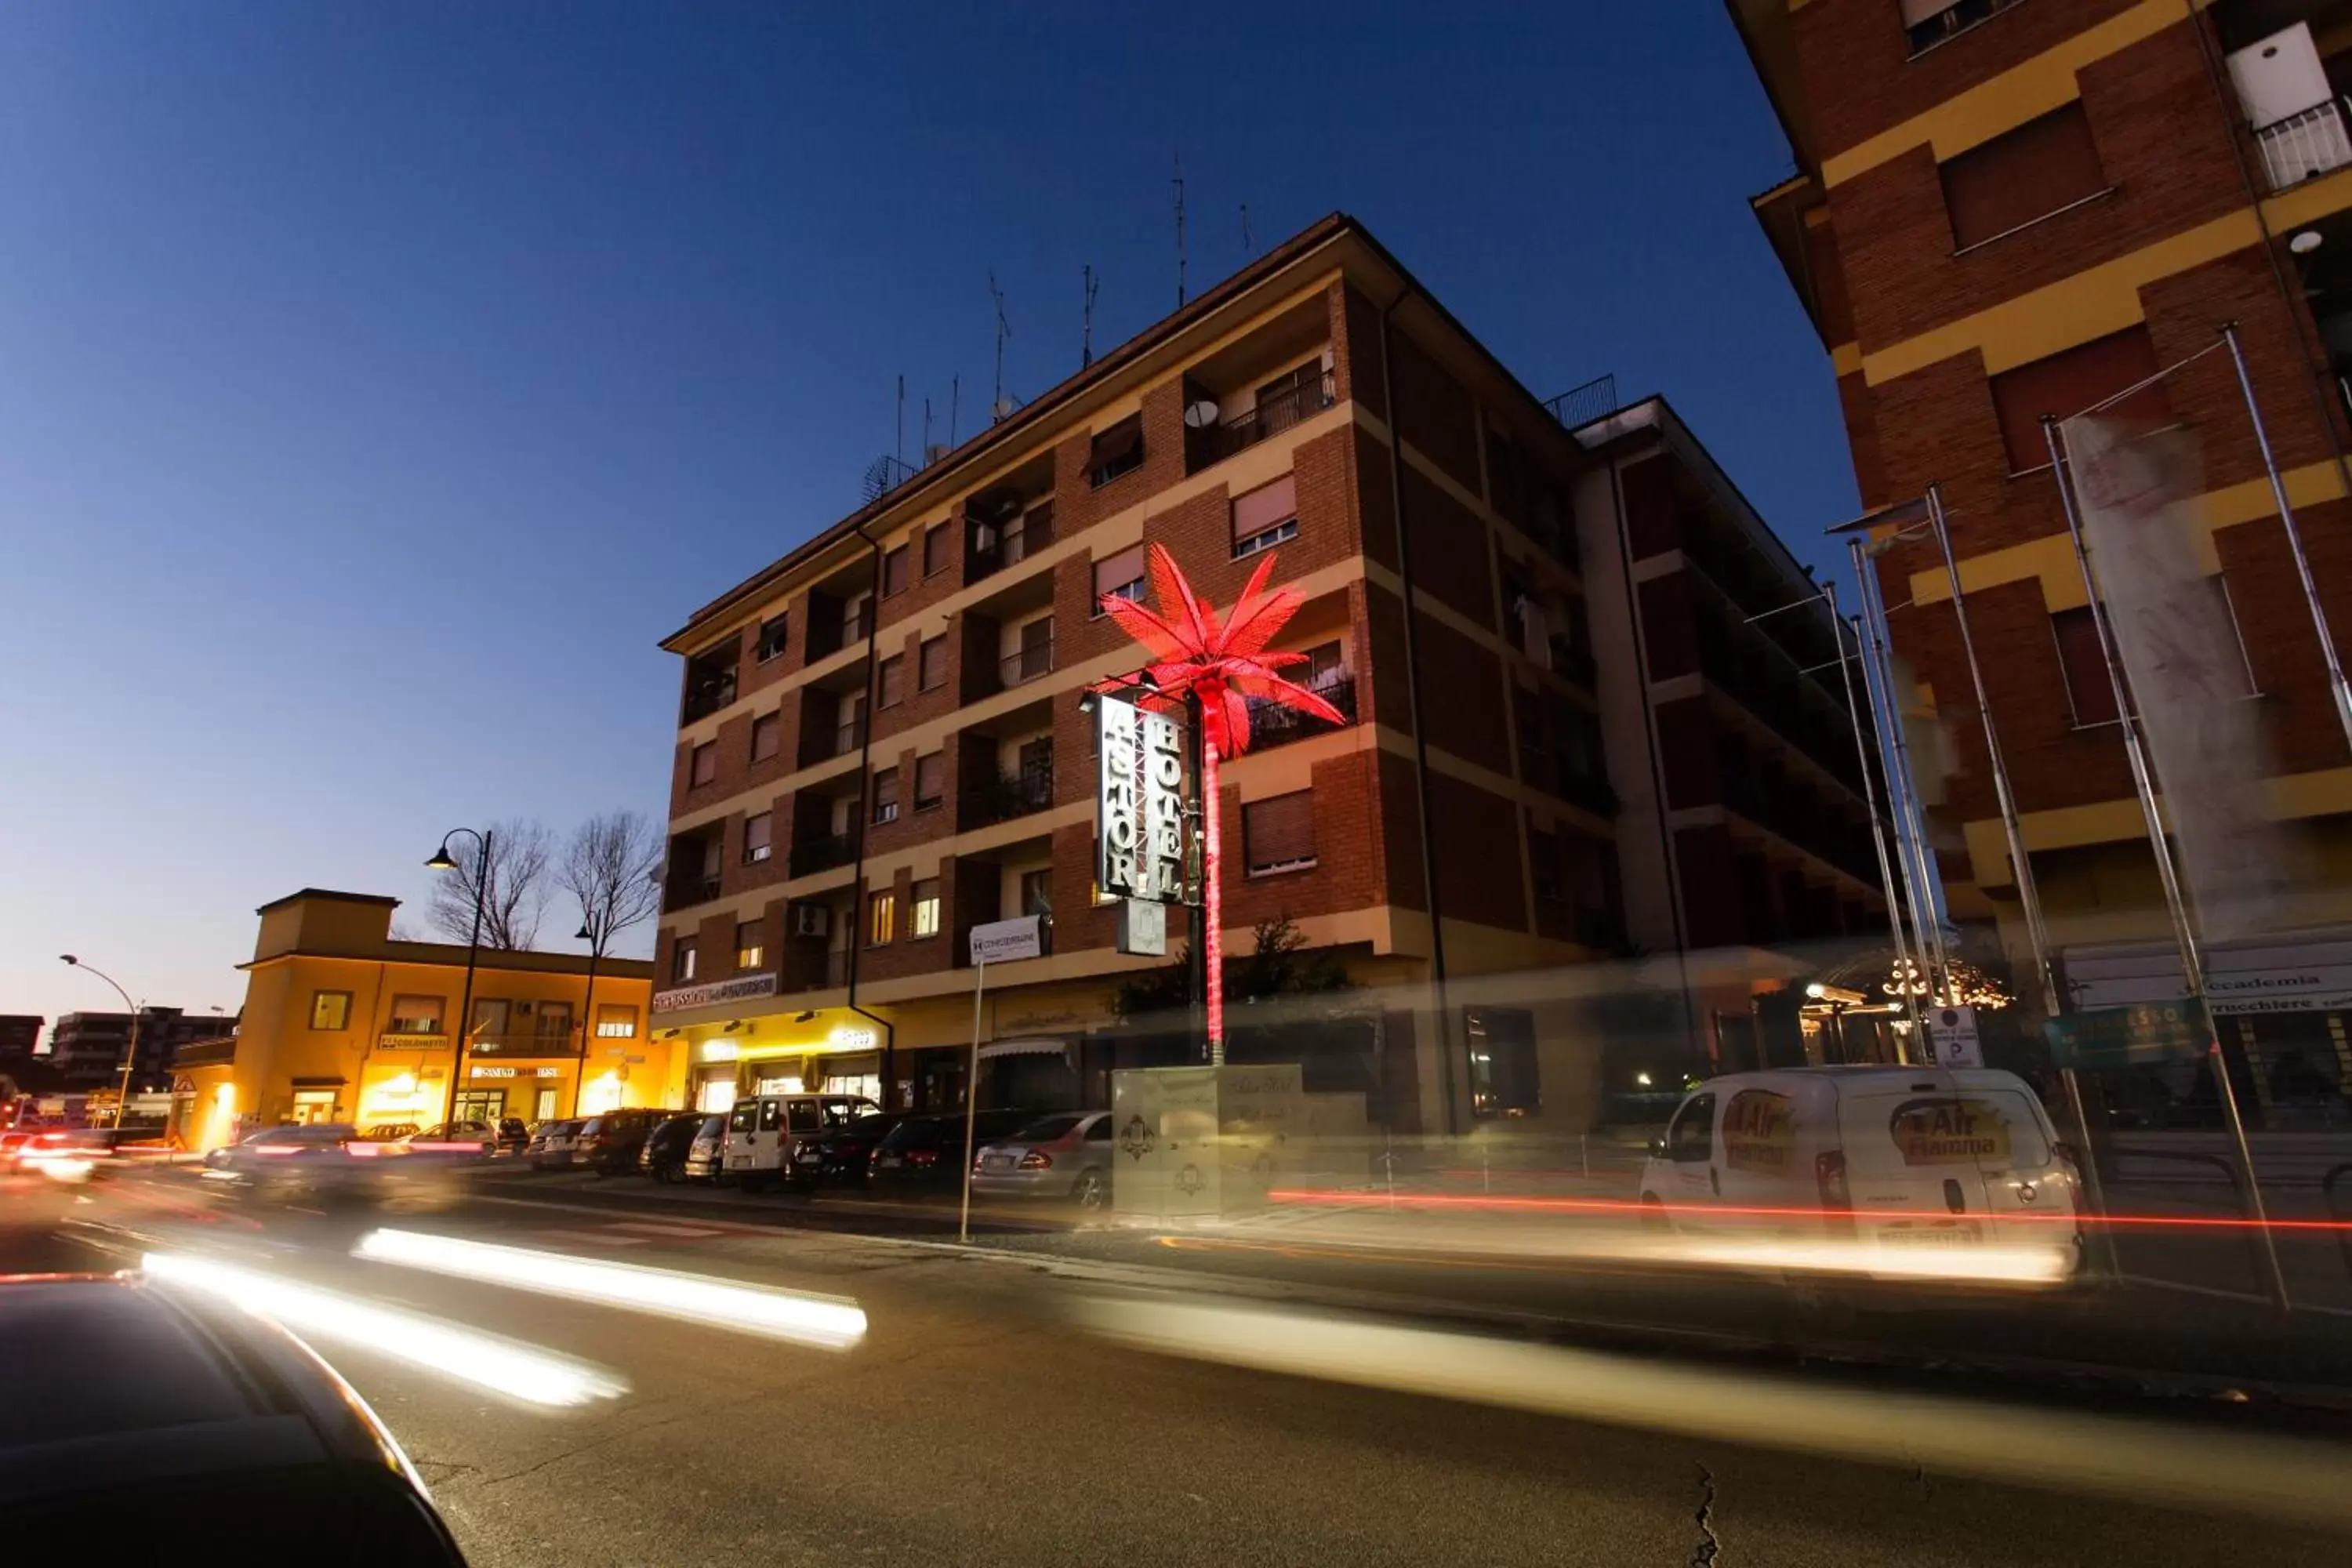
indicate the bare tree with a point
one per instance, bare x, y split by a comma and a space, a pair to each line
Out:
513, 886
612, 867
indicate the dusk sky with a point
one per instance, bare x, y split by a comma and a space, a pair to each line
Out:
378, 383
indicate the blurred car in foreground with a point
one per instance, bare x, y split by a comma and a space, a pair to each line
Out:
1065, 1155
926, 1153
608, 1144
131, 1409
706, 1152
453, 1140
551, 1145
64, 1153
662, 1156
840, 1154
276, 1155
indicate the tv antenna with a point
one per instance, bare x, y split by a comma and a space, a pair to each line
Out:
926, 430
1178, 181
1087, 317
898, 441
955, 405
1004, 330
1249, 246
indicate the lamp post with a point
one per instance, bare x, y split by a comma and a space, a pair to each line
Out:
130, 1052
586, 934
443, 860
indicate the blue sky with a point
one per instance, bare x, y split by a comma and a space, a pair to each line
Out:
378, 383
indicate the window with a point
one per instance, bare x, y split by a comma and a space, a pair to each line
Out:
1278, 833
331, 1009
2021, 175
2069, 381
1037, 891
749, 950
615, 1021
1930, 22
1266, 516
704, 765
1543, 861
1324, 666
759, 836
2085, 667
767, 736
935, 549
415, 1016
1691, 1139
492, 1016
893, 680
924, 910
1502, 1048
931, 664
683, 958
894, 571
553, 1021
881, 918
1121, 575
886, 795
774, 633
1115, 451
931, 780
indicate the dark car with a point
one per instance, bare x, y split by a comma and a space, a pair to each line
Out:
926, 1153
609, 1144
840, 1155
132, 1409
662, 1155
514, 1135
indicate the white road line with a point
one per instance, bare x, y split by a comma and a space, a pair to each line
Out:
663, 1227
593, 1237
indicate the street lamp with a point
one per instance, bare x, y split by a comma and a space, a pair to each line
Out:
130, 1053
443, 860
587, 1009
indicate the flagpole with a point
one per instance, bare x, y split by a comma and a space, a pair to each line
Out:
1911, 835
2184, 935
1869, 799
2336, 682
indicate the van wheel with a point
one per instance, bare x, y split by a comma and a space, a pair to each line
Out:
1654, 1220
1092, 1194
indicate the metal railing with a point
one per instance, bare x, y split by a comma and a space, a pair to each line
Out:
1273, 723
1006, 797
2305, 144
847, 738
810, 855
1271, 416
1583, 404
709, 696
1014, 545
682, 891
1031, 661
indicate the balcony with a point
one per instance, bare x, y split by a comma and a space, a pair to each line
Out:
836, 969
683, 892
1272, 416
814, 855
526, 1043
847, 738
1034, 659
992, 550
2304, 145
1006, 797
707, 694
1273, 723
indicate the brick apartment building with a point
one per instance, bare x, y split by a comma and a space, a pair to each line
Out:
2004, 209
881, 742
87, 1048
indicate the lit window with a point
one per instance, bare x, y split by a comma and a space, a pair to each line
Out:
926, 910
749, 950
331, 1009
682, 959
616, 1021
882, 918
415, 1016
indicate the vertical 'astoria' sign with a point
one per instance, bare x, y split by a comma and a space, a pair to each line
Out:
1138, 804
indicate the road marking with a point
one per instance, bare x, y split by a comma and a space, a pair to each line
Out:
593, 1237
665, 1227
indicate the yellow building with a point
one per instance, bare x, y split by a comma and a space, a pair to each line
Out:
343, 1023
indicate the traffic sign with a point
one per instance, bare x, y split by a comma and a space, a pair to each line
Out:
1952, 1041
2123, 1037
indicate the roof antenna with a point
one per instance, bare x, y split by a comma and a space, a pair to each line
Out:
996, 409
898, 443
926, 430
1178, 181
955, 405
1087, 317
1249, 246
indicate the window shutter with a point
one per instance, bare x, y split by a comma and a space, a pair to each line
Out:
2072, 380
1279, 831
756, 835
894, 678
930, 778
1120, 445
1263, 507
933, 659
935, 548
1117, 571
2085, 667
894, 570
2021, 175
767, 735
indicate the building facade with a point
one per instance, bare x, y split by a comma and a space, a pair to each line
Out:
881, 743
343, 1023
2008, 209
88, 1048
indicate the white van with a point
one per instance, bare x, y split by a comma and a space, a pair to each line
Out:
765, 1130
1892, 1157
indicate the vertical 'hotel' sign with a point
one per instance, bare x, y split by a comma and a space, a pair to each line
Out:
1138, 804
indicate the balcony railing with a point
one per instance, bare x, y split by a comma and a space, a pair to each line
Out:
1272, 416
1011, 795
1273, 723
709, 696
2305, 144
684, 892
1033, 660
836, 968
1026, 538
847, 738
810, 855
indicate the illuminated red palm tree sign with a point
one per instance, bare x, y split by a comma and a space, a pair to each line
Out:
1225, 667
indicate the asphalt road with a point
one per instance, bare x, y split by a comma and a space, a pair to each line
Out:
976, 1423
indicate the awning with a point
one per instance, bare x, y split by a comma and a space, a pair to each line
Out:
1029, 1047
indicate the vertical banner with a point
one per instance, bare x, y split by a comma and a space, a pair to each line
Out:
2136, 492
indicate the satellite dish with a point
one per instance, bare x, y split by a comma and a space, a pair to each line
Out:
1200, 415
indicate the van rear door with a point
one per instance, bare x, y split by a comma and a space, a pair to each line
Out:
743, 1135
1928, 1160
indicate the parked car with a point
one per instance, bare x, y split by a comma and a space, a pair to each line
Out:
514, 1135
839, 1155
766, 1131
1065, 1155
388, 1132
551, 1143
1895, 1158
608, 1144
467, 1140
927, 1151
706, 1152
662, 1155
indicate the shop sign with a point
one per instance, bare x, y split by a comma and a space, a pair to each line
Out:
742, 988
1138, 804
854, 1037
2123, 1037
1001, 942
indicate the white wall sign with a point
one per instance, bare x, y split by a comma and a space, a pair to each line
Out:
1001, 942
854, 1037
1138, 804
1144, 929
743, 987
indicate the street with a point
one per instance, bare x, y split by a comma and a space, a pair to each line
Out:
977, 1421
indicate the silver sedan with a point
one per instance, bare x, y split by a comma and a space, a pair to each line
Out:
1064, 1155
